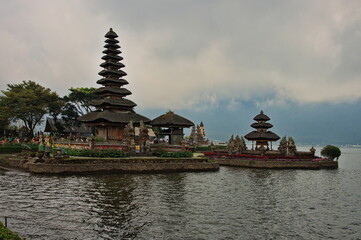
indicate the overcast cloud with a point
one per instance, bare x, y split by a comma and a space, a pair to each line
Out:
187, 54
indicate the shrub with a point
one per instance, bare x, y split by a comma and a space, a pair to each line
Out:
331, 152
95, 153
203, 148
185, 154
6, 234
99, 139
10, 149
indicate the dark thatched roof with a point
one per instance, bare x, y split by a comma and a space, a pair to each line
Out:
261, 117
111, 51
113, 81
170, 119
268, 136
111, 34
261, 125
112, 40
108, 72
112, 57
123, 117
75, 127
118, 91
112, 64
113, 102
111, 45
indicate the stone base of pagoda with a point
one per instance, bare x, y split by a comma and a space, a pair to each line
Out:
120, 165
279, 164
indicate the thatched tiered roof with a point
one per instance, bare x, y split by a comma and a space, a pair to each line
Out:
261, 126
112, 106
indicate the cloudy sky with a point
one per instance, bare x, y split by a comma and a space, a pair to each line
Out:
219, 62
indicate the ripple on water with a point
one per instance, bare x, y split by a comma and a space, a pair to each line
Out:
233, 203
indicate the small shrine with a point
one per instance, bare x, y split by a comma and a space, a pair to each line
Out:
262, 137
113, 111
170, 126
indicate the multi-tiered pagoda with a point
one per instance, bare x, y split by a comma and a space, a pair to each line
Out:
261, 136
113, 110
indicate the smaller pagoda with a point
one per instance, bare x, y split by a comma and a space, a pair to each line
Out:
261, 136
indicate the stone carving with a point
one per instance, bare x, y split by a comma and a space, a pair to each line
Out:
143, 137
230, 145
236, 145
291, 147
128, 136
193, 136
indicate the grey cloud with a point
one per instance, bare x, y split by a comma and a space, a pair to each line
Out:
184, 53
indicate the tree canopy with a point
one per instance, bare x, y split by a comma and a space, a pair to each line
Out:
80, 99
29, 101
331, 152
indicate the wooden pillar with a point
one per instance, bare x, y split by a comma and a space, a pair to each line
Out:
107, 133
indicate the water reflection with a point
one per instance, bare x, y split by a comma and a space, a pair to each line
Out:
113, 204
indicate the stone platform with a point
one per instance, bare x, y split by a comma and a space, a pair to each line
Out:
278, 164
114, 165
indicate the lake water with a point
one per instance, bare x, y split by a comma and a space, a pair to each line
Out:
233, 203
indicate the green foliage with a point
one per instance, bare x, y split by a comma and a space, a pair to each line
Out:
6, 234
79, 99
99, 139
331, 152
203, 148
16, 148
4, 120
104, 153
10, 149
27, 101
164, 154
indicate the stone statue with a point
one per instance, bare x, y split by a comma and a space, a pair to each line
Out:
313, 150
47, 146
147, 146
132, 145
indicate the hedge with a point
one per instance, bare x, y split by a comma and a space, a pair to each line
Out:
95, 153
10, 149
16, 148
186, 154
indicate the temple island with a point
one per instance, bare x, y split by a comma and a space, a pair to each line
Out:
114, 138
262, 154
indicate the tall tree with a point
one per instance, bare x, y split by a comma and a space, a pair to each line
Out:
4, 120
80, 99
28, 101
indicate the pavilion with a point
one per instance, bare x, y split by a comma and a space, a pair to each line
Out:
171, 125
